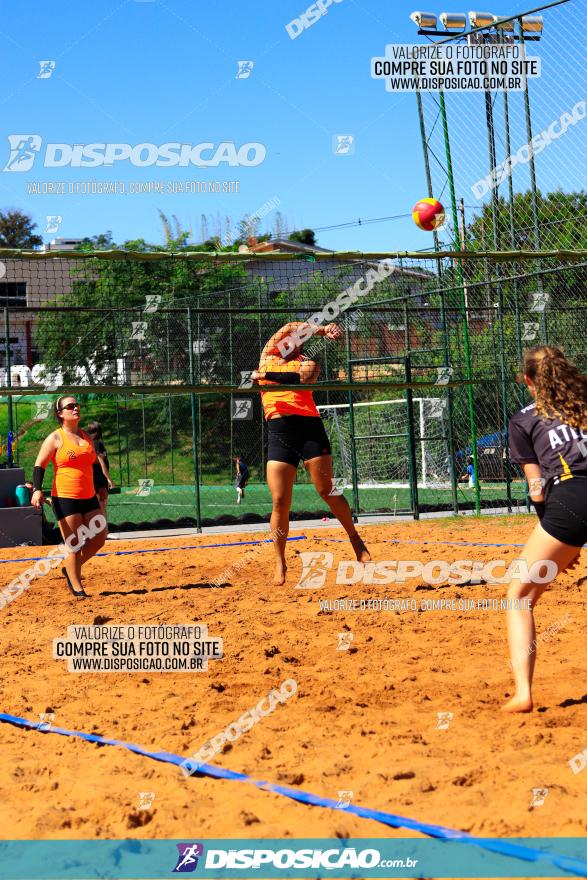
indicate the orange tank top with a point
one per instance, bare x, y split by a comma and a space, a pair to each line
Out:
72, 468
286, 403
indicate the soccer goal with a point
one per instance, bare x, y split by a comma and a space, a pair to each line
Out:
380, 438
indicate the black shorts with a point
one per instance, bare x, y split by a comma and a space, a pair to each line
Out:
241, 481
565, 517
100, 481
63, 507
295, 438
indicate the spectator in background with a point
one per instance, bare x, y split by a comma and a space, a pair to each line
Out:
242, 478
101, 467
469, 476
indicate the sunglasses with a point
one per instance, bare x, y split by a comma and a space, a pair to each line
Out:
70, 406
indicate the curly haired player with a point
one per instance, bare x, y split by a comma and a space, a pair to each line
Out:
548, 439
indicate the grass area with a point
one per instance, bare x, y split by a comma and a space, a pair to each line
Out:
175, 502
140, 439
141, 430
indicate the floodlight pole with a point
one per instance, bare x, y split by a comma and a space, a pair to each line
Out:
508, 151
495, 220
533, 187
428, 174
457, 247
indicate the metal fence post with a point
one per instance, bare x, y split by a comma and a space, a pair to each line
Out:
412, 463
194, 423
352, 425
449, 408
10, 433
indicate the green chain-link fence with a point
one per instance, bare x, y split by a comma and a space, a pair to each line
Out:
160, 348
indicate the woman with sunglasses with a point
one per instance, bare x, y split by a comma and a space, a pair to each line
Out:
73, 495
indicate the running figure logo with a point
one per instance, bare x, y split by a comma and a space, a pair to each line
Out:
42, 408
539, 301
444, 375
344, 799
23, 150
530, 331
53, 222
152, 303
344, 641
47, 719
242, 409
343, 144
338, 484
187, 860
47, 68
315, 567
138, 330
538, 797
245, 68
146, 799
444, 719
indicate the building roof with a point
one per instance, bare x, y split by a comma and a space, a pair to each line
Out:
62, 244
284, 245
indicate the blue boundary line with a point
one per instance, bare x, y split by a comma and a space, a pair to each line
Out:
164, 549
503, 847
453, 543
442, 543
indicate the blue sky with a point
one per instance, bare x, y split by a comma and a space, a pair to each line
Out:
155, 72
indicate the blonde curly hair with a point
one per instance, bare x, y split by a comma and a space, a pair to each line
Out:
561, 388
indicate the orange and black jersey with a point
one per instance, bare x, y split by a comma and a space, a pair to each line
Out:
285, 402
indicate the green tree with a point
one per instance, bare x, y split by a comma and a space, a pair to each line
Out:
560, 220
101, 242
151, 340
304, 236
175, 238
17, 230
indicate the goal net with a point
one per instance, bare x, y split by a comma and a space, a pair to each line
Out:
380, 439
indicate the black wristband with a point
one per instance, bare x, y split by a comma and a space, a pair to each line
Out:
540, 508
284, 378
38, 474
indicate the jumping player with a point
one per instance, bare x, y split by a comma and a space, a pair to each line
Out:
296, 432
548, 439
73, 495
242, 478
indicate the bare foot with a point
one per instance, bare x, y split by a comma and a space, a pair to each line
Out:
518, 704
361, 551
280, 573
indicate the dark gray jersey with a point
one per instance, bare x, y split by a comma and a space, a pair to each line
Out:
561, 451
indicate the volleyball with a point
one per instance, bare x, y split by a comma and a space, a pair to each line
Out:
428, 214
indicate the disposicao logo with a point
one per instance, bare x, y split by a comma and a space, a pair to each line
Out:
25, 147
187, 859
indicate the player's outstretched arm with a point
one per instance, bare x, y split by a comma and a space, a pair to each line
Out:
309, 372
283, 332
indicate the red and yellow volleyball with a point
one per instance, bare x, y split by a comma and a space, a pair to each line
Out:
428, 214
